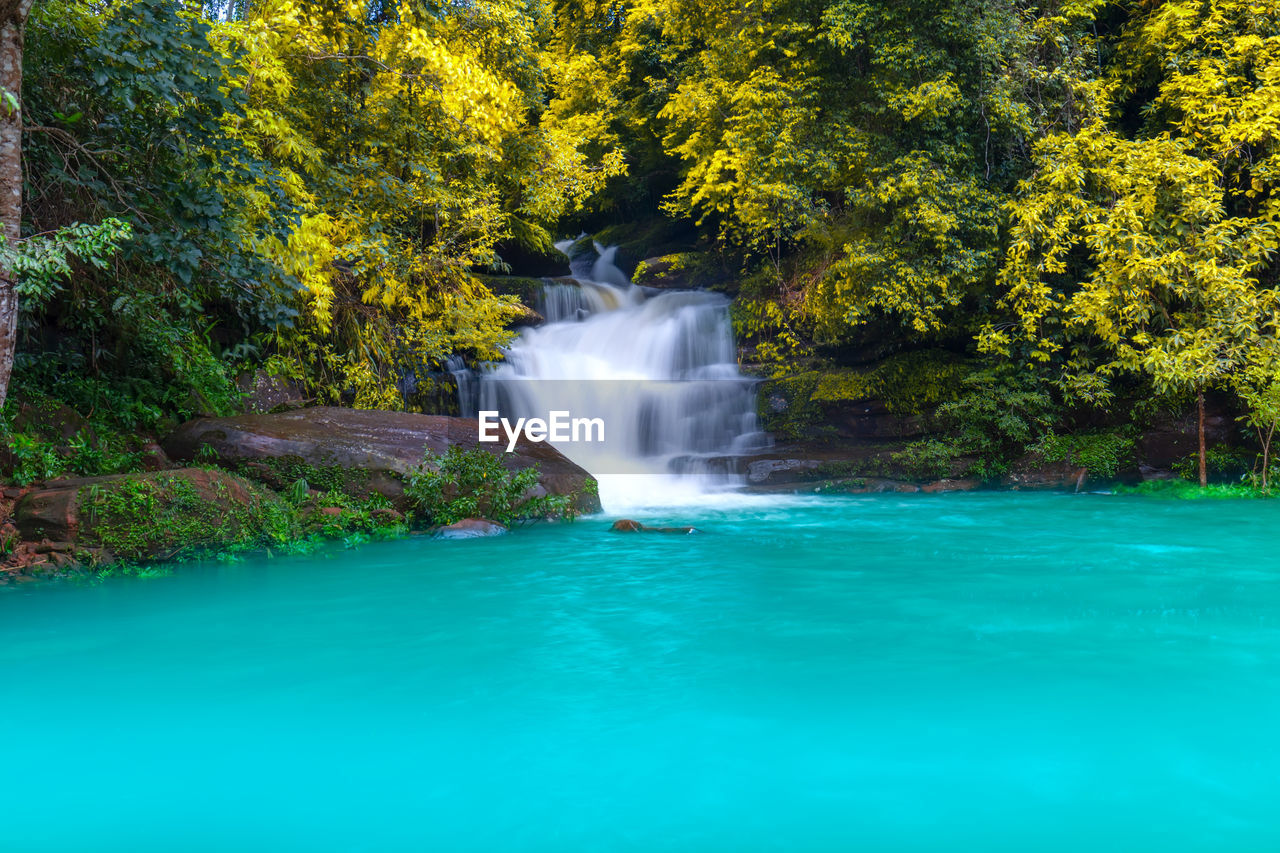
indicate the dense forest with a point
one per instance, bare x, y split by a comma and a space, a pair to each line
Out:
1067, 210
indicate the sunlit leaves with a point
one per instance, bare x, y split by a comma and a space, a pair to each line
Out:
1156, 254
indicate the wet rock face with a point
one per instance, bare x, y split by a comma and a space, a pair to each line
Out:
361, 452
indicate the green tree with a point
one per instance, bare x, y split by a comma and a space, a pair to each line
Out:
1153, 253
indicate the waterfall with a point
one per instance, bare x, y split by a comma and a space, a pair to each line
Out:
658, 368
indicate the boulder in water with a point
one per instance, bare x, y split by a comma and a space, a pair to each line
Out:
470, 528
627, 525
360, 452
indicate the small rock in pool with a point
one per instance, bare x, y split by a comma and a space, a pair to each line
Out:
626, 525
471, 528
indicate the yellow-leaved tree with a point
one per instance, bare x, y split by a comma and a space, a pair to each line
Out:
1154, 253
411, 139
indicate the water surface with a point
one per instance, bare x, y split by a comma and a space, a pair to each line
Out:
956, 672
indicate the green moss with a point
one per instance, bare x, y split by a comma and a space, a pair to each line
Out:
472, 483
692, 269
164, 516
280, 471
524, 288
909, 384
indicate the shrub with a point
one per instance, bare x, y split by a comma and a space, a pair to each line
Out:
473, 484
31, 458
927, 460
1222, 463
1102, 453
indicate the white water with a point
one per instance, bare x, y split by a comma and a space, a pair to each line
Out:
659, 368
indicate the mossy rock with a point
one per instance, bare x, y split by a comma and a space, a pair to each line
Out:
637, 241
527, 290
156, 514
679, 270
361, 453
47, 419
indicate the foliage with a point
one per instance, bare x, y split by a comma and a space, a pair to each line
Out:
930, 459
1153, 253
31, 459
409, 142
875, 137
164, 516
911, 383
39, 263
309, 180
1000, 414
1223, 464
1089, 189
1260, 391
1102, 453
33, 452
472, 483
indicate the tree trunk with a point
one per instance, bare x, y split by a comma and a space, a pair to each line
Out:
1266, 458
1204, 468
13, 17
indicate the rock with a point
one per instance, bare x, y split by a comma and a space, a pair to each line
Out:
470, 528
626, 525
266, 393
51, 420
774, 471
1147, 472
154, 458
967, 484
1033, 472
158, 513
1173, 439
386, 516
51, 512
528, 317
859, 486
361, 452
679, 270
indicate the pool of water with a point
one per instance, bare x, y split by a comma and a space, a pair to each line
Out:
982, 672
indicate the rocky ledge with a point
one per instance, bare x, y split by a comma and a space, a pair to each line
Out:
226, 498
853, 467
360, 452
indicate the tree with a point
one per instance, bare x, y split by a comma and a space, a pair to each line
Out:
1154, 254
13, 19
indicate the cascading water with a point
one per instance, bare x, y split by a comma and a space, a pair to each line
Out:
658, 368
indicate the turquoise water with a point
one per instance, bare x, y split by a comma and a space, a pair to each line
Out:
957, 672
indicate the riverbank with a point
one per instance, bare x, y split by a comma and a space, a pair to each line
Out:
281, 483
